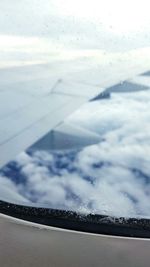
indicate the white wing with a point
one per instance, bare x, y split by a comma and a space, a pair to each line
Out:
35, 99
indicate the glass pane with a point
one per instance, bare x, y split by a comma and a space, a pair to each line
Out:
98, 160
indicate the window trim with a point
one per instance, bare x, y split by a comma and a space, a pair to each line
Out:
69, 220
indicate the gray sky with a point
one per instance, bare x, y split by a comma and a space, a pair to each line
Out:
112, 26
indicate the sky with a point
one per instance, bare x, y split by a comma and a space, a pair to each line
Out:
33, 31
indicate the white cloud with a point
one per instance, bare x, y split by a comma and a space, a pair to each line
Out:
112, 177
9, 191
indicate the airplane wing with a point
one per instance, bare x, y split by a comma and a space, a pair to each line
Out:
35, 100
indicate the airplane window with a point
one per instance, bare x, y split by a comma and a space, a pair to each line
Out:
91, 154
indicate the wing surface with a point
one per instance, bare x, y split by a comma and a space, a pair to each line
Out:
36, 99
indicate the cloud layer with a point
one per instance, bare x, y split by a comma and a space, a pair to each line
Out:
112, 177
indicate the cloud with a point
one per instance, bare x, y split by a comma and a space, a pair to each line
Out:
112, 177
9, 191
